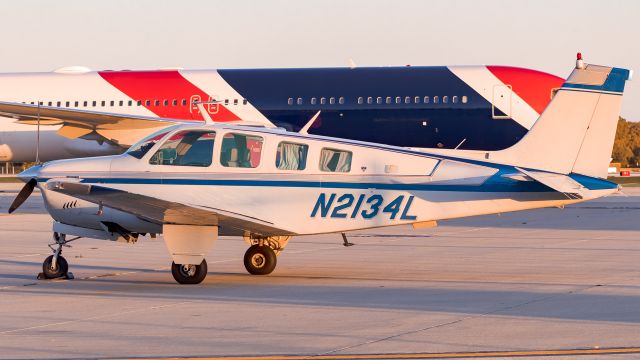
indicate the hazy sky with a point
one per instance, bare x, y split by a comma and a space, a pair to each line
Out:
115, 34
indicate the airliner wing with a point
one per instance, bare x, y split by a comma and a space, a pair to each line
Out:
164, 212
123, 130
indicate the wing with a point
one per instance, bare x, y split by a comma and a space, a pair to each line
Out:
165, 212
120, 129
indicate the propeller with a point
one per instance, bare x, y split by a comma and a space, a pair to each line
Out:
23, 195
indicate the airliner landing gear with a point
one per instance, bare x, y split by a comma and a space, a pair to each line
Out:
56, 266
189, 273
261, 257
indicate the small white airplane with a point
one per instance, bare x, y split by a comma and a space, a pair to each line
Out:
191, 183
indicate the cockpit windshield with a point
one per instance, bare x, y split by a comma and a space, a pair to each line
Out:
140, 149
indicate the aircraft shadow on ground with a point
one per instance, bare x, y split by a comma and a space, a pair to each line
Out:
569, 302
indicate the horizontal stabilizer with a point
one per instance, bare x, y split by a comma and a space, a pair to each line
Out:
558, 182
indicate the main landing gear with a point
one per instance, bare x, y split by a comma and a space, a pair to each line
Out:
56, 266
189, 274
261, 257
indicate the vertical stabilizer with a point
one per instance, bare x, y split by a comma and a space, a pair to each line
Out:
575, 132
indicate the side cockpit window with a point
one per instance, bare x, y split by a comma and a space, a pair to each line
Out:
142, 147
241, 151
332, 160
186, 148
291, 156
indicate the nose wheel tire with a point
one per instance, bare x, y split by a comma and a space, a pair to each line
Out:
189, 274
260, 260
59, 270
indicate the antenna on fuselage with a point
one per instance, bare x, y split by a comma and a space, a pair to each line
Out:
38, 137
307, 126
204, 112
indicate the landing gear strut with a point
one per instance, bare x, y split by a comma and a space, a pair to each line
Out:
56, 266
261, 257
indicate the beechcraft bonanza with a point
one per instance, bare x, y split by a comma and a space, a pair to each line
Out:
191, 183
50, 116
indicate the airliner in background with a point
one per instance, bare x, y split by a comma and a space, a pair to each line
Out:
466, 107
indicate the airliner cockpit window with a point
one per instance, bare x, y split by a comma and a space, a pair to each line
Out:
142, 147
186, 148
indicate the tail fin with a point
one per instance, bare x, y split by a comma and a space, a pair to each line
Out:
575, 132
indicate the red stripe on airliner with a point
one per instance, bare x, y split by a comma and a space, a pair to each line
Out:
532, 86
166, 87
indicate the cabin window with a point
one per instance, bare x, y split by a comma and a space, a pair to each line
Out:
398, 99
58, 104
186, 148
464, 99
130, 102
369, 100
323, 100
156, 102
289, 101
416, 100
360, 100
298, 101
165, 103
67, 104
436, 99
291, 156
103, 103
239, 150
184, 102
426, 100
332, 100
235, 101
174, 102
226, 102
245, 101
454, 99
111, 103
407, 99
379, 100
341, 100
388, 100
313, 101
148, 103
445, 99
93, 103
332, 160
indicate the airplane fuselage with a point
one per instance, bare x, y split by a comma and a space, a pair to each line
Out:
473, 107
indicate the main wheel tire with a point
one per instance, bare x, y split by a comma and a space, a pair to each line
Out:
60, 270
260, 260
189, 274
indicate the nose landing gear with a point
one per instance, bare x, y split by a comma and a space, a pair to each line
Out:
189, 273
56, 266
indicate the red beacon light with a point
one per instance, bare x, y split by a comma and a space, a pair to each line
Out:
579, 62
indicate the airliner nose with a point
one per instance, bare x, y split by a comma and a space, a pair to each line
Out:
31, 173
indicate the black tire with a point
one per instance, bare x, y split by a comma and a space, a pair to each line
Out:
62, 267
191, 274
260, 260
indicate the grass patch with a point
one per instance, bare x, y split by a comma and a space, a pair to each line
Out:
9, 179
626, 180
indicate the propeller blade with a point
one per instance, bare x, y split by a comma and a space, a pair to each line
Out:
23, 195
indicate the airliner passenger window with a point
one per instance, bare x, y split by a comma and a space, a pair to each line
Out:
323, 101
241, 151
445, 99
370, 100
341, 100
426, 99
454, 99
416, 100
299, 101
291, 156
398, 99
332, 100
407, 99
360, 100
464, 99
289, 101
379, 100
186, 148
436, 100
332, 160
